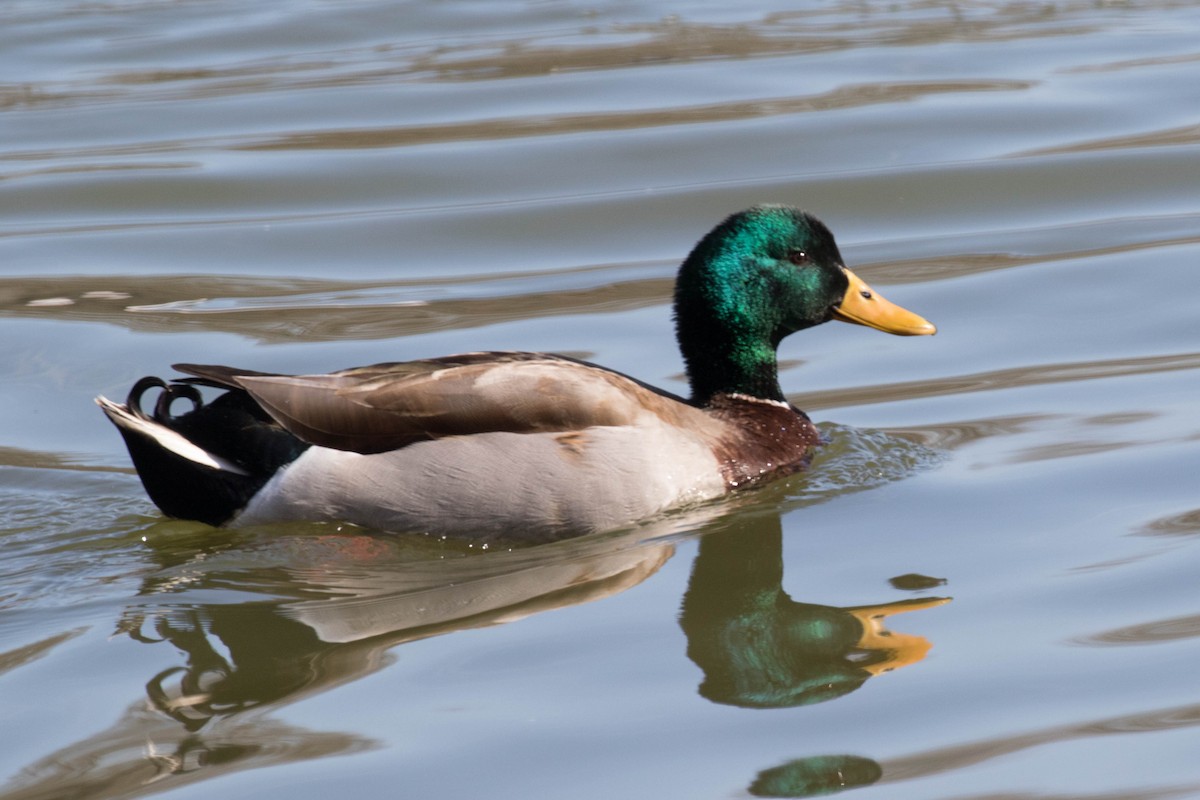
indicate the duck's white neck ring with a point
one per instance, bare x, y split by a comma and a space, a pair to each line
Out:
751, 398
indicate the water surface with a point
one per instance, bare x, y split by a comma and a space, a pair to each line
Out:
984, 587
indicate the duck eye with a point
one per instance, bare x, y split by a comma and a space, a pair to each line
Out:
798, 257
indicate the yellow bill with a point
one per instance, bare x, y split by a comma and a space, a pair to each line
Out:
864, 306
890, 650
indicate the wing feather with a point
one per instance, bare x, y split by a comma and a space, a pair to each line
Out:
388, 406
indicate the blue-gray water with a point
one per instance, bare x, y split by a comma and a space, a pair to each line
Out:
305, 185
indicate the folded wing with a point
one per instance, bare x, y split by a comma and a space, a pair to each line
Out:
388, 406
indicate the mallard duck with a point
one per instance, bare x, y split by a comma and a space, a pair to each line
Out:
524, 445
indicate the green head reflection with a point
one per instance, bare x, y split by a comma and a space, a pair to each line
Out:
818, 775
758, 648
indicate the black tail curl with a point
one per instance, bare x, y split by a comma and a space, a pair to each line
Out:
170, 393
232, 427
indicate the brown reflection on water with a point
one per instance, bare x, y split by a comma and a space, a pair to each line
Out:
27, 654
669, 41
40, 459
1170, 137
583, 44
951, 435
971, 263
1134, 63
1155, 632
507, 128
288, 310
66, 169
1184, 524
1053, 450
1035, 375
1091, 438
948, 759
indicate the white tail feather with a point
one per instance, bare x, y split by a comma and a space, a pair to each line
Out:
167, 438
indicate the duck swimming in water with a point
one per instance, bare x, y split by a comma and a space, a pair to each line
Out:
527, 446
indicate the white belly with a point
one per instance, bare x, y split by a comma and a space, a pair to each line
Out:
523, 486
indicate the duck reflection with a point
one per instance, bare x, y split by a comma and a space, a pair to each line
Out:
294, 616
357, 604
758, 648
262, 622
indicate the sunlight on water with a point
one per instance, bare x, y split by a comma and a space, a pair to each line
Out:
856, 459
303, 186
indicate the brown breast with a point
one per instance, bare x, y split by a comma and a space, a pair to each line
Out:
763, 439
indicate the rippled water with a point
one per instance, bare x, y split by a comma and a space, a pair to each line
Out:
984, 587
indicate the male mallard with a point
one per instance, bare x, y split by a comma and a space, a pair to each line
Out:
528, 445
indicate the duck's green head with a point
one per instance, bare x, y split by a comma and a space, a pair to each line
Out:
760, 275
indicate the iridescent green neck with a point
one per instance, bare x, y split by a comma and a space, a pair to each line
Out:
729, 303
731, 367
726, 333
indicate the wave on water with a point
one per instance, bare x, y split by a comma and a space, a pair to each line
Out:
857, 459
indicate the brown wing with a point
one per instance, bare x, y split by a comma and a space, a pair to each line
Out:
215, 375
387, 406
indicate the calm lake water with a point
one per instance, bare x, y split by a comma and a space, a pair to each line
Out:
305, 185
